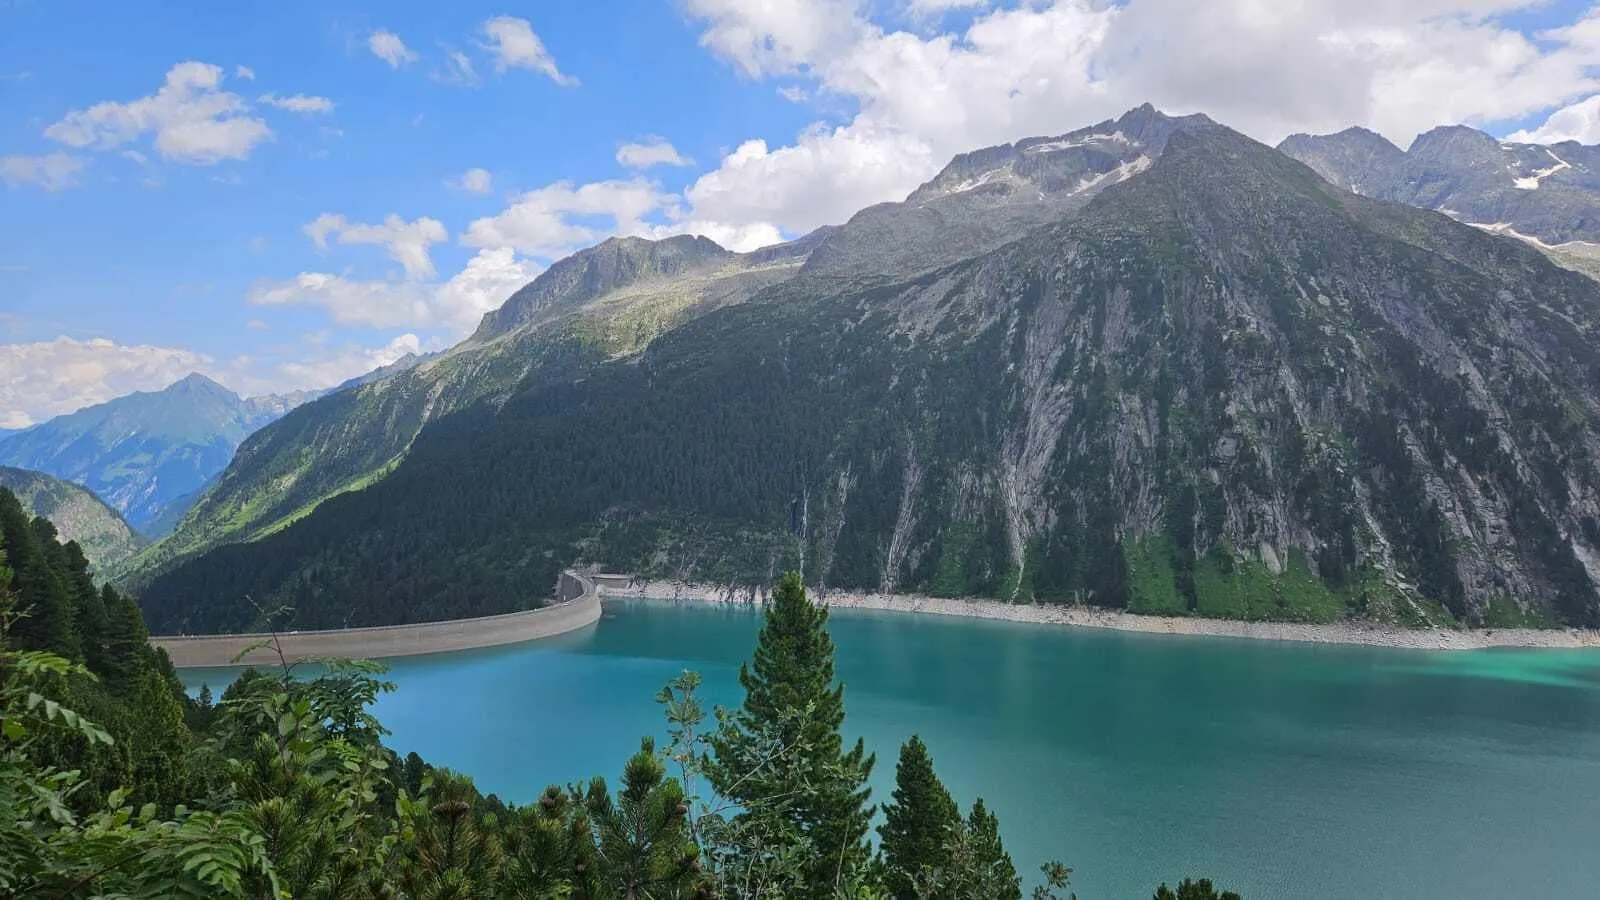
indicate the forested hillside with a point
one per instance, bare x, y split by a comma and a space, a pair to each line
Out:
1223, 387
114, 783
104, 536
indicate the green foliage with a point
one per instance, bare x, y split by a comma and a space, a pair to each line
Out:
1229, 588
1152, 579
1194, 890
283, 788
781, 757
919, 828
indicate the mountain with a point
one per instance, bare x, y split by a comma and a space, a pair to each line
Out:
78, 515
1209, 382
147, 453
1547, 195
603, 303
611, 300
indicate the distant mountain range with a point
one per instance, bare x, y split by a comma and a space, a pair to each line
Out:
147, 454
1149, 364
78, 515
1543, 194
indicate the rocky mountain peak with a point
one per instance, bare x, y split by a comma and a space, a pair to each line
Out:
1078, 163
612, 263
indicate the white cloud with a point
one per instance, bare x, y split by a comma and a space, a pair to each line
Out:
52, 172
457, 70
335, 365
556, 219
1049, 66
738, 238
488, 279
1576, 122
299, 103
406, 242
473, 181
515, 46
387, 46
768, 38
376, 304
652, 151
135, 157
192, 118
931, 7
244, 73
49, 378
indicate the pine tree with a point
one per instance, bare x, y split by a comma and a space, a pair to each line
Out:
781, 757
43, 599
126, 639
1195, 890
992, 869
643, 835
920, 826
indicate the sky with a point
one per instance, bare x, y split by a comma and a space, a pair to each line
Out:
284, 195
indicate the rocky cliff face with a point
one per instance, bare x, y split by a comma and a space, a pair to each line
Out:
1551, 193
1218, 385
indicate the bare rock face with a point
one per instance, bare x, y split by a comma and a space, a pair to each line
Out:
1551, 193
1211, 382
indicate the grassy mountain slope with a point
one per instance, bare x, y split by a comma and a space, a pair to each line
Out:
1221, 387
78, 515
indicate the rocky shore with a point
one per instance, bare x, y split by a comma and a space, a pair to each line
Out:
1083, 617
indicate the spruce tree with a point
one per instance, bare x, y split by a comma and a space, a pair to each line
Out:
920, 826
43, 599
126, 638
1195, 890
781, 758
992, 867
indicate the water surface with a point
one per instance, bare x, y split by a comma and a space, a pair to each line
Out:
1281, 770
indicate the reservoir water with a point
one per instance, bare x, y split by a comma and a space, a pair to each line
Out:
1282, 771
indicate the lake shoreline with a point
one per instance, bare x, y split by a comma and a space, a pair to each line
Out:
621, 587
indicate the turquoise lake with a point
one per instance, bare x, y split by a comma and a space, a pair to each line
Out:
1281, 771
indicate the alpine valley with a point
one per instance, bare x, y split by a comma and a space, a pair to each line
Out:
150, 453
1151, 364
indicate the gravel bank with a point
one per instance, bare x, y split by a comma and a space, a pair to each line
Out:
1337, 633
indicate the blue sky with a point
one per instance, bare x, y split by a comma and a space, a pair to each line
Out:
293, 207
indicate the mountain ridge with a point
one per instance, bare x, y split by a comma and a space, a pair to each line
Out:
1218, 386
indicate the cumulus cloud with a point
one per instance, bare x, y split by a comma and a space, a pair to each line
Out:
1576, 122
454, 305
193, 120
1048, 66
406, 242
652, 151
377, 304
52, 172
244, 73
387, 46
556, 219
515, 46
49, 378
473, 181
299, 103
332, 365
